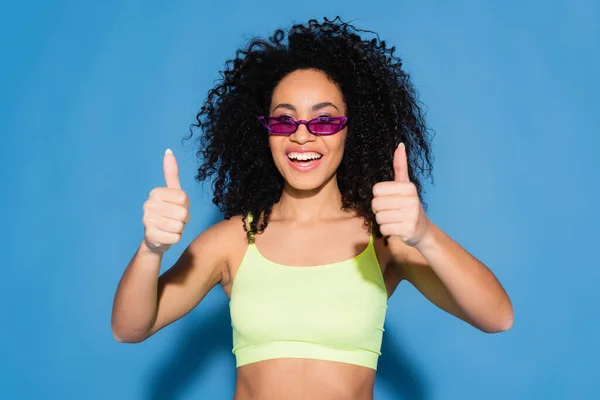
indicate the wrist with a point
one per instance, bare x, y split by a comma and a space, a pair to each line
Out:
429, 238
150, 250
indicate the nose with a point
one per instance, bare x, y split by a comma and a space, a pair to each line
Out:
302, 135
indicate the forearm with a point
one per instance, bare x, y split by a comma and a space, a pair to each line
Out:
135, 303
474, 288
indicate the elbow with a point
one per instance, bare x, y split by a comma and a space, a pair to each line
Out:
127, 338
499, 327
124, 336
508, 318
503, 323
508, 323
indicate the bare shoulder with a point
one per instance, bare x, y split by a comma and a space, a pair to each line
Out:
226, 228
398, 261
202, 265
220, 238
388, 261
225, 240
405, 257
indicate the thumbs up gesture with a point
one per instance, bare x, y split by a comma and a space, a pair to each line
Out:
397, 206
166, 211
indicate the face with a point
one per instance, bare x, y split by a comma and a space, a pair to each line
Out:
307, 161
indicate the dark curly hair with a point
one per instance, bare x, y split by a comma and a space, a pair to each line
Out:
382, 108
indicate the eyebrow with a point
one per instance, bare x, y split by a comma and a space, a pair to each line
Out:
314, 108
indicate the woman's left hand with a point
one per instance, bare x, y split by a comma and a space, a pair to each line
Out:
397, 207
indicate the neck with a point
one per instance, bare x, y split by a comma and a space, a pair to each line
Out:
310, 205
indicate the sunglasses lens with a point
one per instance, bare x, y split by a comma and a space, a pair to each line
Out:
281, 125
318, 126
325, 126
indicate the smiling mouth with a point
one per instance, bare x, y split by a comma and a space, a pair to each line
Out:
305, 157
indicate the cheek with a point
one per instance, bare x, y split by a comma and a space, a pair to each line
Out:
335, 144
276, 144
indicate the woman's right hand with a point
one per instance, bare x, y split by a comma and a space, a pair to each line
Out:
166, 211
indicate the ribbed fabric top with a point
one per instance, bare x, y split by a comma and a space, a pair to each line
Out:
330, 312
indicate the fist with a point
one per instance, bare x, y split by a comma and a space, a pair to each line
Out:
166, 211
397, 207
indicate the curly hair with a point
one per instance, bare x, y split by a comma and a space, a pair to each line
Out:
382, 108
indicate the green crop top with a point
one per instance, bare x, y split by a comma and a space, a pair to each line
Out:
332, 312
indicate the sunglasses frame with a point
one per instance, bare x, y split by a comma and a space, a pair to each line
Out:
342, 123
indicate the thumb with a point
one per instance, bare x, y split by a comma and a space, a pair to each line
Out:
171, 170
400, 164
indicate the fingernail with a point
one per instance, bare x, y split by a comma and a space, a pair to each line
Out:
168, 152
401, 144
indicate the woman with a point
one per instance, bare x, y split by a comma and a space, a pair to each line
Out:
318, 149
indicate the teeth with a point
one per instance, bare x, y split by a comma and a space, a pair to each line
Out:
304, 156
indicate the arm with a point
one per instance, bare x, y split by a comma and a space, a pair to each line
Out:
435, 264
455, 281
144, 302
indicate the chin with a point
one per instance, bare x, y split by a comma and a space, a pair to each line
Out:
308, 182
306, 185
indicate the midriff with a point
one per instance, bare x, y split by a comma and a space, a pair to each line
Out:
300, 379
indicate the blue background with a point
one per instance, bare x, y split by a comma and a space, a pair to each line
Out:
92, 94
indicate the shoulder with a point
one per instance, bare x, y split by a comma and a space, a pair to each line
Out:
389, 260
222, 234
232, 226
398, 258
406, 260
391, 255
222, 243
